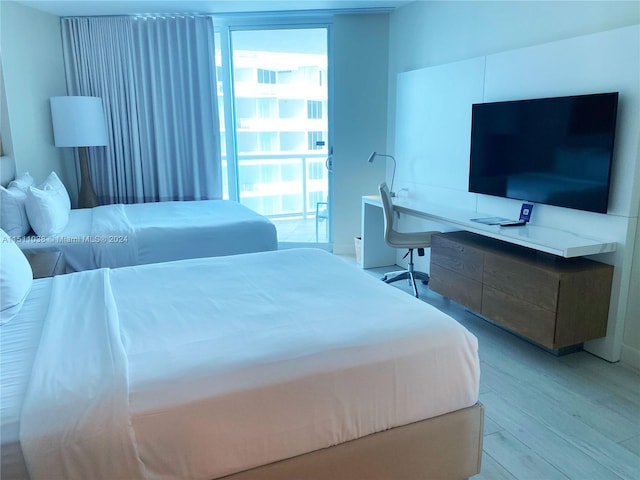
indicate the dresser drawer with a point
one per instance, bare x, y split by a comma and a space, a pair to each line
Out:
457, 256
456, 287
522, 280
522, 317
556, 302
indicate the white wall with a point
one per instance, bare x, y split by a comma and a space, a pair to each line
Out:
441, 33
33, 70
631, 338
360, 55
5, 126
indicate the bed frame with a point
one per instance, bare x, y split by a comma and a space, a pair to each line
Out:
444, 447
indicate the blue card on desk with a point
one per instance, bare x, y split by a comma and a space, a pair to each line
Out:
525, 212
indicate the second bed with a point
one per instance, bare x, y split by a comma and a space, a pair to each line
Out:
122, 235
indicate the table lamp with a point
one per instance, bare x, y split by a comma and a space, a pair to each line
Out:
79, 122
372, 158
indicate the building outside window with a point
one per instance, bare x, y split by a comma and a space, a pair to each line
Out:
280, 118
314, 109
315, 141
266, 76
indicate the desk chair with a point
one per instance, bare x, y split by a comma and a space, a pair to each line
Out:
322, 213
410, 241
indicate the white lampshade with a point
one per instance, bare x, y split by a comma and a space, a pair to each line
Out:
78, 121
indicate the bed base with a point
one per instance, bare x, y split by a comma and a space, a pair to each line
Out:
444, 447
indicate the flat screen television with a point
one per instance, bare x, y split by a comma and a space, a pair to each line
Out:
556, 151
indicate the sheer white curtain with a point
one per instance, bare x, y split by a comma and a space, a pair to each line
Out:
156, 77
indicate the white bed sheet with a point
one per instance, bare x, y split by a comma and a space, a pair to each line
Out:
235, 362
181, 230
19, 340
111, 236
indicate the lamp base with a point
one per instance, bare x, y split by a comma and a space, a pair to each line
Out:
87, 197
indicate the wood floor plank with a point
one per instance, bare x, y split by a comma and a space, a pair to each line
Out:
492, 470
544, 441
582, 438
633, 445
518, 459
596, 413
614, 377
490, 426
623, 408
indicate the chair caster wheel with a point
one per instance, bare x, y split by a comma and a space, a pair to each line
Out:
384, 279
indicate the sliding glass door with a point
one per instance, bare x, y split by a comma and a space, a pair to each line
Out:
277, 128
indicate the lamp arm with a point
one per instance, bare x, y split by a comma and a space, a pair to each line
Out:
393, 176
375, 154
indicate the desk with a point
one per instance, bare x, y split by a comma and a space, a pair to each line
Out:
375, 252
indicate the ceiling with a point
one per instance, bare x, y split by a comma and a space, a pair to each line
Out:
64, 8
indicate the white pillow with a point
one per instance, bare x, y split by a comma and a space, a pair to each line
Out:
13, 214
48, 206
22, 181
57, 184
16, 278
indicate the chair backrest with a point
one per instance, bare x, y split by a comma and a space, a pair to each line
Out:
387, 207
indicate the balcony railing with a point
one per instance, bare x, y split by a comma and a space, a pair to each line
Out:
282, 185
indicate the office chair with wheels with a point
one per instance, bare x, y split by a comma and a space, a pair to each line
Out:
409, 240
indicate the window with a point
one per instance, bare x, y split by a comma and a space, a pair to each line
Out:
266, 76
267, 108
277, 118
314, 109
316, 171
267, 141
315, 141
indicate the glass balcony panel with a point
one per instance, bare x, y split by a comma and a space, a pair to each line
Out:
280, 97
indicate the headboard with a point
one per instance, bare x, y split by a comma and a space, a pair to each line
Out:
7, 170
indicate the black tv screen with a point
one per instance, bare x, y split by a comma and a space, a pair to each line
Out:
556, 151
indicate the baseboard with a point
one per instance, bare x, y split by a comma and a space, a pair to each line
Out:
630, 357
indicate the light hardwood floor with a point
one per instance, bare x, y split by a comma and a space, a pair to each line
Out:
547, 417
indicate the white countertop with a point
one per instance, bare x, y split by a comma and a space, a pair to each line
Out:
545, 239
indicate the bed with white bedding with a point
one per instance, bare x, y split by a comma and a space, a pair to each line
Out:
112, 236
175, 371
121, 235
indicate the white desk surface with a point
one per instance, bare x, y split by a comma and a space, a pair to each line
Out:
545, 239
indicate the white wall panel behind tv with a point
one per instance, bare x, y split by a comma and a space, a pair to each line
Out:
602, 62
433, 125
432, 128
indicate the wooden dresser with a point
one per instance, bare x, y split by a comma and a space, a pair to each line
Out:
554, 301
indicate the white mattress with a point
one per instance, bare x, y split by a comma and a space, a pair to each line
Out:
111, 236
283, 353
